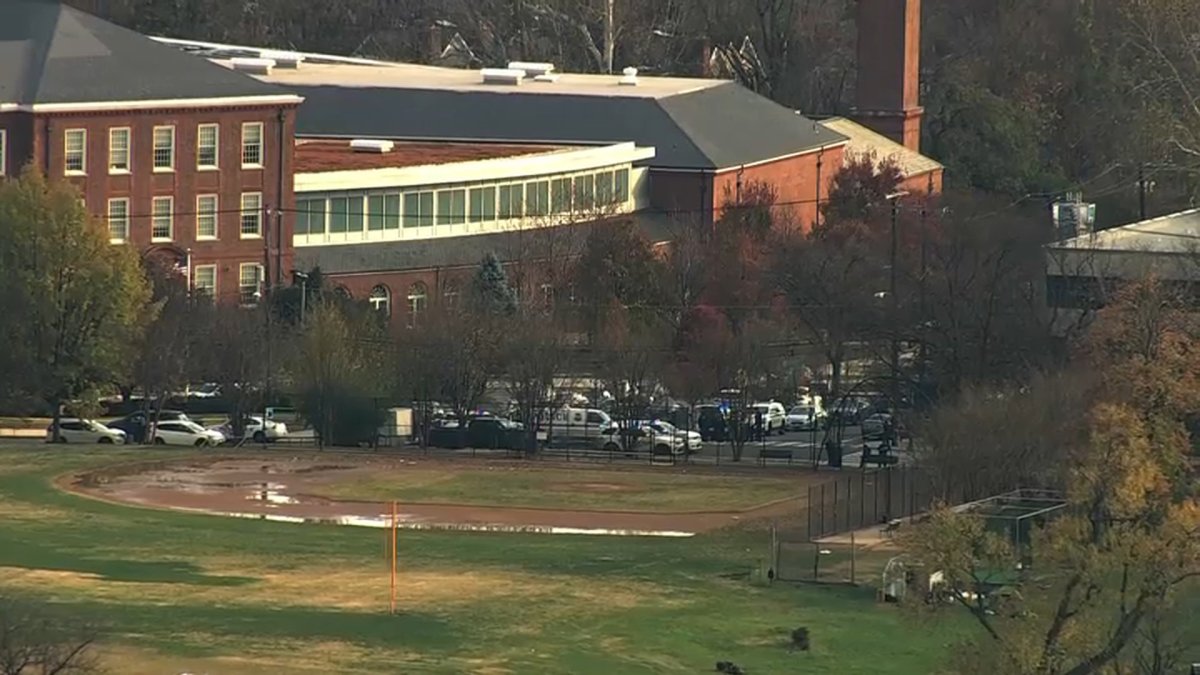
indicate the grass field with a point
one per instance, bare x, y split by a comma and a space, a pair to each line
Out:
181, 592
567, 489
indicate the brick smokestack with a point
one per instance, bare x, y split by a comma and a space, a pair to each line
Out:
887, 98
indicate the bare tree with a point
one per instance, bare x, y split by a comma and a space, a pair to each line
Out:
35, 641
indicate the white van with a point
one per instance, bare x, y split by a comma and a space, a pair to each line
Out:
581, 425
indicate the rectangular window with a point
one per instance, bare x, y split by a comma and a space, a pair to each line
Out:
375, 212
512, 203
605, 195
252, 144
354, 215
391, 211
418, 209
338, 207
622, 188
483, 204
161, 225
204, 280
310, 216
249, 280
118, 220
3, 151
560, 195
451, 207
585, 192
75, 144
206, 217
206, 146
537, 198
252, 214
164, 148
118, 150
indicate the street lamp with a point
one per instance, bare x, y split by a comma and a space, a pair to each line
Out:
303, 277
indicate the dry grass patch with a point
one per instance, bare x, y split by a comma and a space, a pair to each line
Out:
362, 590
253, 657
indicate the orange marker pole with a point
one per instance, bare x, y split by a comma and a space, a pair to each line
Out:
393, 592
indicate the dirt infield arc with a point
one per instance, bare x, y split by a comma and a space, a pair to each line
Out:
290, 490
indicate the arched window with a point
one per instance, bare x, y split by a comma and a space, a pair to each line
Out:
450, 294
381, 300
418, 300
342, 292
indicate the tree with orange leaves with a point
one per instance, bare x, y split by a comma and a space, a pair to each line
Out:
1106, 571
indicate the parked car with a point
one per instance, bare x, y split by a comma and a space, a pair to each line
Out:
135, 424
254, 428
805, 417
483, 431
774, 416
640, 436
691, 440
849, 412
75, 430
186, 432
580, 425
713, 423
875, 427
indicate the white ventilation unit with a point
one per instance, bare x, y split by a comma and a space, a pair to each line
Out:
371, 145
532, 69
629, 77
257, 66
546, 77
290, 60
502, 76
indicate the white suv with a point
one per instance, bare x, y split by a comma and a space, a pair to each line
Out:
774, 416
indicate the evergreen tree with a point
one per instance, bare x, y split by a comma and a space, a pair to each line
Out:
490, 292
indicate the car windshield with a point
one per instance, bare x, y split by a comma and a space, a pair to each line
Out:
191, 426
666, 427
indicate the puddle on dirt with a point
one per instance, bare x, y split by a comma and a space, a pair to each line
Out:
271, 493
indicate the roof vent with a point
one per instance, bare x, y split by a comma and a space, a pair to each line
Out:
532, 69
257, 66
502, 76
289, 60
371, 145
629, 78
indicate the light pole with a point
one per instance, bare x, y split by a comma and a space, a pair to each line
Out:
303, 277
895, 198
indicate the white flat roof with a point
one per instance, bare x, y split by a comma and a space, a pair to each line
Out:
864, 141
1174, 233
411, 76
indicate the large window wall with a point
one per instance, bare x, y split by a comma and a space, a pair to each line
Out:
452, 210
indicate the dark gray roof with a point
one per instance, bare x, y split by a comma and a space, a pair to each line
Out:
718, 127
466, 251
52, 53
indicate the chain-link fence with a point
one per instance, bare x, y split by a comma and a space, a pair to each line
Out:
857, 500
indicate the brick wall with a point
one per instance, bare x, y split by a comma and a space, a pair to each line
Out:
44, 146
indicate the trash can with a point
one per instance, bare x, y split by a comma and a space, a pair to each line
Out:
833, 450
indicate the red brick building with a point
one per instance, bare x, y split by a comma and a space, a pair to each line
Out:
181, 157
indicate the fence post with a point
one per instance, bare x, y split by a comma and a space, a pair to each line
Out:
822, 534
816, 562
862, 498
835, 504
853, 557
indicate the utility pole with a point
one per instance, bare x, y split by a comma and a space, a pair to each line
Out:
895, 302
609, 35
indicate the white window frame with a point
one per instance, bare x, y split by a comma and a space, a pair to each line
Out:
3, 152
262, 145
245, 212
381, 303
216, 165
108, 220
82, 170
258, 276
113, 169
216, 230
155, 217
196, 275
154, 149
